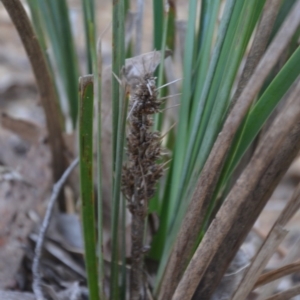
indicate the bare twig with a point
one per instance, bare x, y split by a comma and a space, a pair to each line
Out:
241, 207
276, 274
39, 244
288, 294
213, 166
44, 83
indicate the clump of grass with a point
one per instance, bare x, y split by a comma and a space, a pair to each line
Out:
203, 159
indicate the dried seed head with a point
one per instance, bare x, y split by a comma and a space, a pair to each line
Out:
142, 171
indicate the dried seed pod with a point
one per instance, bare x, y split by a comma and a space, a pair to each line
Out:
142, 170
144, 146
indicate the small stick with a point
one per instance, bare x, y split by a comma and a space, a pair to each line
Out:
39, 244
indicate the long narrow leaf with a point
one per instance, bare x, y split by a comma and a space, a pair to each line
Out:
181, 140
117, 195
89, 17
119, 109
87, 183
158, 17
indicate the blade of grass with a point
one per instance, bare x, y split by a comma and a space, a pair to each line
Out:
119, 109
168, 38
87, 183
123, 254
118, 60
154, 204
114, 288
89, 17
96, 65
171, 33
70, 61
209, 13
99, 187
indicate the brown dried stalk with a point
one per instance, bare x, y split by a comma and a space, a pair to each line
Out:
142, 171
44, 83
196, 211
276, 274
242, 206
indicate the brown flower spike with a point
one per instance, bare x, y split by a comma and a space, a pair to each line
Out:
142, 171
